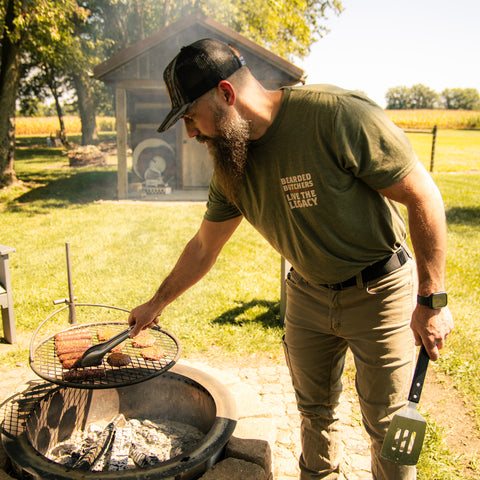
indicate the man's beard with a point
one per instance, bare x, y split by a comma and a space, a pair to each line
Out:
229, 152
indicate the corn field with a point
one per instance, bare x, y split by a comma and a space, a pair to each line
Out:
421, 119
50, 125
427, 119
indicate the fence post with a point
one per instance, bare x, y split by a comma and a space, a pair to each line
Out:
434, 141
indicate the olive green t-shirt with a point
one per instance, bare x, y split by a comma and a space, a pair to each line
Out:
311, 183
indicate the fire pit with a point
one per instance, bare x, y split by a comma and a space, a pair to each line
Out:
152, 392
45, 415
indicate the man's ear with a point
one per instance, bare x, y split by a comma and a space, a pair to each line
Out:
227, 92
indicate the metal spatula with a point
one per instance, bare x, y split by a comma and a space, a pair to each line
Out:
94, 355
405, 435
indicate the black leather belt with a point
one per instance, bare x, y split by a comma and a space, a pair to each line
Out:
377, 270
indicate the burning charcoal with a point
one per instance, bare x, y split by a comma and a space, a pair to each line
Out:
119, 455
65, 453
150, 435
63, 449
148, 423
94, 431
119, 420
91, 456
141, 458
135, 424
135, 444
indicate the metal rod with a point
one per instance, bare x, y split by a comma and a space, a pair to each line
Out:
72, 316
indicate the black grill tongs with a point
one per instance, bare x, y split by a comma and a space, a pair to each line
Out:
94, 355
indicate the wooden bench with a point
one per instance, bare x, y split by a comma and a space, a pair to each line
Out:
6, 297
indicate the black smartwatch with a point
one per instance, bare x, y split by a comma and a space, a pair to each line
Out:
435, 300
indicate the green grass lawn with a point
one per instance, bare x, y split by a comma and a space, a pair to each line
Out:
455, 150
121, 251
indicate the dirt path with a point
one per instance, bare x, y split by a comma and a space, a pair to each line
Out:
449, 410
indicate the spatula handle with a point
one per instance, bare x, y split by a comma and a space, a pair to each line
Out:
419, 376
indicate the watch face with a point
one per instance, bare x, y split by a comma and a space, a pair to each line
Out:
439, 300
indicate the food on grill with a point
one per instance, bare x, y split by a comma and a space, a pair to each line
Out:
72, 362
79, 375
75, 345
117, 359
72, 359
68, 356
118, 347
77, 334
143, 339
152, 353
106, 332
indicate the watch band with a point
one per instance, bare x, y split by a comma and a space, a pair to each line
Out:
435, 300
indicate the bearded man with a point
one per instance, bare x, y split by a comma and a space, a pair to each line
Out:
317, 170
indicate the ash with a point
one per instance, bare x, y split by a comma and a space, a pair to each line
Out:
134, 443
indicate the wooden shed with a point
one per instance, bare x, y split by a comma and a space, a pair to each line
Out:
136, 74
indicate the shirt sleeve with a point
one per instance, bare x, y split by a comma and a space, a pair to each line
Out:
370, 145
219, 209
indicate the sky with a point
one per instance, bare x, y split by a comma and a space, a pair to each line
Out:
375, 45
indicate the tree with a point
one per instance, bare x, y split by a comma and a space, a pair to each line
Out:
398, 98
423, 97
26, 26
40, 82
71, 36
461, 98
415, 97
287, 28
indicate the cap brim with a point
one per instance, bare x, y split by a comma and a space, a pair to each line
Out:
174, 115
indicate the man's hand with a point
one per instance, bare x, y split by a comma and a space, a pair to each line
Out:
431, 328
143, 316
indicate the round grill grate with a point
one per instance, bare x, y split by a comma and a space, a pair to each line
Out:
45, 362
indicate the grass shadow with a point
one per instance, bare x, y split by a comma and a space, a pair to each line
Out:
23, 154
264, 312
463, 216
79, 187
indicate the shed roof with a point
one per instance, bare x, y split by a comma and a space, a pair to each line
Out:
146, 59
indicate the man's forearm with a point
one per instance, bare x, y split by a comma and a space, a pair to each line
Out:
429, 239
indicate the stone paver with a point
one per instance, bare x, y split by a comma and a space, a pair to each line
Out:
267, 410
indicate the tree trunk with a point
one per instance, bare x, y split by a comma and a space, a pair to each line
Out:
86, 107
9, 78
58, 107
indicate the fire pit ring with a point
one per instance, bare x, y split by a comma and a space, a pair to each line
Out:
181, 394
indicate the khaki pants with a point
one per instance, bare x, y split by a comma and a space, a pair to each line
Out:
374, 322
